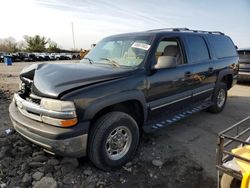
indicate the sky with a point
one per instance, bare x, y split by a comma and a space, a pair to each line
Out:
94, 19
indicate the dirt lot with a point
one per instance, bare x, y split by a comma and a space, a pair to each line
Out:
186, 150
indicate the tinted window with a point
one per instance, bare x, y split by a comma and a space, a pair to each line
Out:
197, 49
222, 45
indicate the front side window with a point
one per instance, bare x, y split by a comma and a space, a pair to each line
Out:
170, 47
197, 47
127, 51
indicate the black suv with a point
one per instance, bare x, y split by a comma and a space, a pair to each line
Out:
126, 84
244, 64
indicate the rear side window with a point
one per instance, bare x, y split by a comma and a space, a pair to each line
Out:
197, 47
222, 45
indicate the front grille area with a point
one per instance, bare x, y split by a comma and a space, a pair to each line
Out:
33, 100
20, 103
30, 107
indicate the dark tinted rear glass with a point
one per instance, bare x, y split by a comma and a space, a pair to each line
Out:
197, 49
222, 45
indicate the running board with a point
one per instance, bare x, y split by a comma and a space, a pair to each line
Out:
166, 121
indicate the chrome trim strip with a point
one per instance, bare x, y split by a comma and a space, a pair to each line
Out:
166, 104
204, 91
37, 109
154, 108
30, 115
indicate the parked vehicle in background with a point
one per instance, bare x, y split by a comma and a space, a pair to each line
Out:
30, 57
21, 55
127, 83
24, 56
69, 56
62, 56
15, 57
2, 56
244, 64
59, 56
52, 57
45, 56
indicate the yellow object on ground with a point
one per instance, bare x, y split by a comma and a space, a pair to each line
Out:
245, 183
244, 166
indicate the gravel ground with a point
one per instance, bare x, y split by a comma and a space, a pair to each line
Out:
182, 155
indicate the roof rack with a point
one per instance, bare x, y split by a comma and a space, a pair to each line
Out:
188, 30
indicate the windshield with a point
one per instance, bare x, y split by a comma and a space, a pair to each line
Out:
127, 51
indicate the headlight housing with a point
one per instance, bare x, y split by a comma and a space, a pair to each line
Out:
57, 105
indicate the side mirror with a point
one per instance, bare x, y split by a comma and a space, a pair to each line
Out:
164, 62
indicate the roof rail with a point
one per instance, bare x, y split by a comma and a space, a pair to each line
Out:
171, 29
188, 30
209, 32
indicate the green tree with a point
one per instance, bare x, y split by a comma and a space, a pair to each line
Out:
53, 47
36, 43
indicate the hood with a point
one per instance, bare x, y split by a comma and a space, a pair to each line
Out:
51, 80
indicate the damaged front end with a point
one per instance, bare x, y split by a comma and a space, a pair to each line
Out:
50, 111
50, 123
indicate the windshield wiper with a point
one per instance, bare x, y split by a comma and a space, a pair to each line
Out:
111, 62
90, 60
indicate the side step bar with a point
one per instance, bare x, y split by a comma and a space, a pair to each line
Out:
170, 119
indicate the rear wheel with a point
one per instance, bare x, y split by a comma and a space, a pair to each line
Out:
219, 98
113, 140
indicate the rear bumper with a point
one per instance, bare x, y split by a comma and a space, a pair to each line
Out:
70, 142
244, 76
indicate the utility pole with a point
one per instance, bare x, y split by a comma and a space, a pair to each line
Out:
73, 35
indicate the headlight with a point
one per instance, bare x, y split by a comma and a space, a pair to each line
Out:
57, 105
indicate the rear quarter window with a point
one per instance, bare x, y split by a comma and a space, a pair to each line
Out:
222, 45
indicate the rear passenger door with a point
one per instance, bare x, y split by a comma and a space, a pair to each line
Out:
202, 68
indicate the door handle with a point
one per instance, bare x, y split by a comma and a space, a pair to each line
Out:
188, 74
210, 69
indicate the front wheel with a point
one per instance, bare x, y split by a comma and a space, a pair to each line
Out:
113, 140
219, 98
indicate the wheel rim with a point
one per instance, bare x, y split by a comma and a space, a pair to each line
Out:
118, 142
221, 97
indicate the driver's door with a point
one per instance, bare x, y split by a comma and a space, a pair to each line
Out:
170, 89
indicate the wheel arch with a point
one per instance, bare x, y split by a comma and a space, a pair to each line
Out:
226, 76
132, 102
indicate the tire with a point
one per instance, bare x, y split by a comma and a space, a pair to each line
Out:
103, 137
229, 182
219, 103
